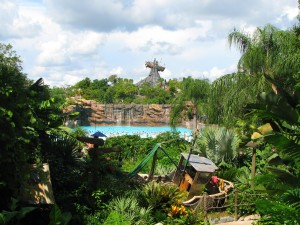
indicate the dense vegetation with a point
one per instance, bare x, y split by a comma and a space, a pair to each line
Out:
114, 90
260, 105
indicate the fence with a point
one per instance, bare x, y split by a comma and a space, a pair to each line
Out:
221, 201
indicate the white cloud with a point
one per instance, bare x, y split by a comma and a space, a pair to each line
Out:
215, 72
288, 14
66, 47
119, 70
15, 23
65, 41
155, 39
291, 12
131, 14
53, 53
85, 43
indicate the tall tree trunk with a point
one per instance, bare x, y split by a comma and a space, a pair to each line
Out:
253, 167
195, 117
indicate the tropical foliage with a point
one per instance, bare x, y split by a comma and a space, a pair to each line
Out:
114, 90
228, 97
281, 110
260, 102
269, 52
218, 144
129, 208
191, 100
136, 148
27, 114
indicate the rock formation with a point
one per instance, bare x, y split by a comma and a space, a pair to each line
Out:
92, 113
153, 78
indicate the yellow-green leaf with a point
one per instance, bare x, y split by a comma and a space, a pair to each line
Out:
265, 129
256, 135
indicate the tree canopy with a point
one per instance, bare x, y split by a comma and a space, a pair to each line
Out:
26, 114
269, 52
192, 99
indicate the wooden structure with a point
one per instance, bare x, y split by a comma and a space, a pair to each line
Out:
98, 151
93, 146
193, 173
154, 65
92, 140
210, 200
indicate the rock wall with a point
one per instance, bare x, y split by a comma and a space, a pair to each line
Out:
93, 113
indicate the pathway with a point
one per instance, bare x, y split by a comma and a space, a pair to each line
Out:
238, 223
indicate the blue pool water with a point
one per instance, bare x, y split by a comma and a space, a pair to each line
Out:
142, 131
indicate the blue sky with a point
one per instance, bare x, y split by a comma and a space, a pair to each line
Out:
65, 41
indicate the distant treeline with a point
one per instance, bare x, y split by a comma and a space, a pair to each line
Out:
114, 90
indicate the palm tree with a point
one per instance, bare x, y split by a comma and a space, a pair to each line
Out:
228, 95
192, 96
268, 53
218, 144
281, 180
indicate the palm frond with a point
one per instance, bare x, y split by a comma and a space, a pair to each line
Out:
292, 198
272, 184
243, 176
289, 148
284, 176
241, 40
178, 107
62, 146
38, 85
217, 144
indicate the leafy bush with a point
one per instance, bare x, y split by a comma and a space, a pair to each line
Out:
277, 213
218, 144
59, 217
161, 196
163, 170
79, 132
15, 213
128, 208
116, 218
136, 148
228, 173
292, 198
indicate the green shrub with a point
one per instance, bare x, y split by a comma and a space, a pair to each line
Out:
15, 213
163, 170
136, 148
59, 217
277, 213
129, 208
94, 219
161, 196
115, 218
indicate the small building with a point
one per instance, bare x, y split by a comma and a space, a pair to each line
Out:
196, 174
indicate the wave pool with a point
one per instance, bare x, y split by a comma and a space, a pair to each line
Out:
142, 131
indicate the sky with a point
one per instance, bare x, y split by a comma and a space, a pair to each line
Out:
65, 41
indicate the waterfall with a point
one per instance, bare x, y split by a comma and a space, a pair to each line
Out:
166, 115
129, 116
117, 116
